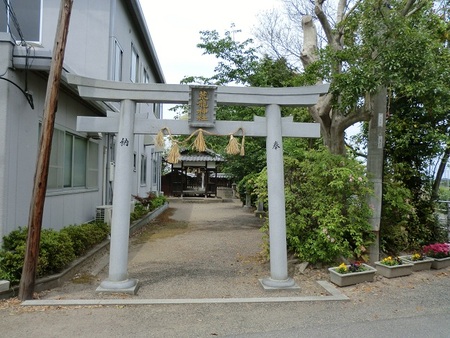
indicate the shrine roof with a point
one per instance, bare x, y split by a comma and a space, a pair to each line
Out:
206, 156
201, 157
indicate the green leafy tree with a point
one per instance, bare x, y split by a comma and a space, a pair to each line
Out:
359, 47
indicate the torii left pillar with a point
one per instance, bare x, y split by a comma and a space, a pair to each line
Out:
120, 230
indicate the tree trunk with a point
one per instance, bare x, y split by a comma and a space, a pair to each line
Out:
333, 139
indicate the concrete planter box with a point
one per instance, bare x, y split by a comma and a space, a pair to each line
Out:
440, 263
394, 271
423, 264
346, 279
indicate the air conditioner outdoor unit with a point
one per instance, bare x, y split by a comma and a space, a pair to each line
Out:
104, 214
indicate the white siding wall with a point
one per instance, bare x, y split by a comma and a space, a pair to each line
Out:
61, 207
87, 54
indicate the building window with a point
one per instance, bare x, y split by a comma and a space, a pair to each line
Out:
73, 162
92, 165
155, 167
134, 69
117, 62
146, 76
22, 20
143, 169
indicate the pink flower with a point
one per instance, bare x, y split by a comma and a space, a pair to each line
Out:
437, 250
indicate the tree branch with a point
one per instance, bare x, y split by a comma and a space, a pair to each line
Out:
318, 10
340, 11
407, 7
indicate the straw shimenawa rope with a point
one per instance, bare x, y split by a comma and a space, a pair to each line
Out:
174, 153
233, 147
199, 142
159, 140
242, 144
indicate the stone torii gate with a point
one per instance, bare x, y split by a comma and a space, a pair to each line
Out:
203, 100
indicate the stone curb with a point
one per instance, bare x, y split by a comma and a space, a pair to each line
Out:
336, 295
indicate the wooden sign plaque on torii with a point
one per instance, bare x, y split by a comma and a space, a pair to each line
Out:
126, 124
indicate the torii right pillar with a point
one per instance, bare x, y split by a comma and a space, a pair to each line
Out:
279, 278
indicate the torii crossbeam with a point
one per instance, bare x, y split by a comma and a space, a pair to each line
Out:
126, 124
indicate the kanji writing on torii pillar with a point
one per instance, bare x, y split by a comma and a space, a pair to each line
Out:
203, 100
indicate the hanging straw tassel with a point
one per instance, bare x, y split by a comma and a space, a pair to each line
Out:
233, 146
242, 145
199, 142
159, 140
174, 153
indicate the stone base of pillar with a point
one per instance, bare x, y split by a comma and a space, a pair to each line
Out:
273, 284
260, 214
374, 249
128, 286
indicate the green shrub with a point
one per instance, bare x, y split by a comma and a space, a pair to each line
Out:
14, 239
146, 204
158, 202
79, 237
408, 219
139, 212
85, 236
57, 249
247, 186
151, 201
327, 215
444, 193
11, 263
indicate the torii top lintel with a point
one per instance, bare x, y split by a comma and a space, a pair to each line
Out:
102, 90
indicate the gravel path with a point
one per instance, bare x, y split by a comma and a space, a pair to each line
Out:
194, 250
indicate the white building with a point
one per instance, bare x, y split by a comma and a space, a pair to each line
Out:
109, 40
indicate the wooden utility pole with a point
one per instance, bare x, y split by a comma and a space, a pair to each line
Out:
28, 278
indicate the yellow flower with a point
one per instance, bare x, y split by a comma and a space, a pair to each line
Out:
416, 256
343, 268
391, 261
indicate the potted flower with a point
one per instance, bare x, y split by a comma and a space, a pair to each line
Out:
418, 260
349, 274
391, 267
440, 252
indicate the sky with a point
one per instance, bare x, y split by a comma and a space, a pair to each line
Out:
175, 27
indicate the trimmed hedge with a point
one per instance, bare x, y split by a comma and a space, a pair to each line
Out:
57, 248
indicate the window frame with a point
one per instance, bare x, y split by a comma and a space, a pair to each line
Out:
143, 170
134, 65
117, 67
24, 19
63, 178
